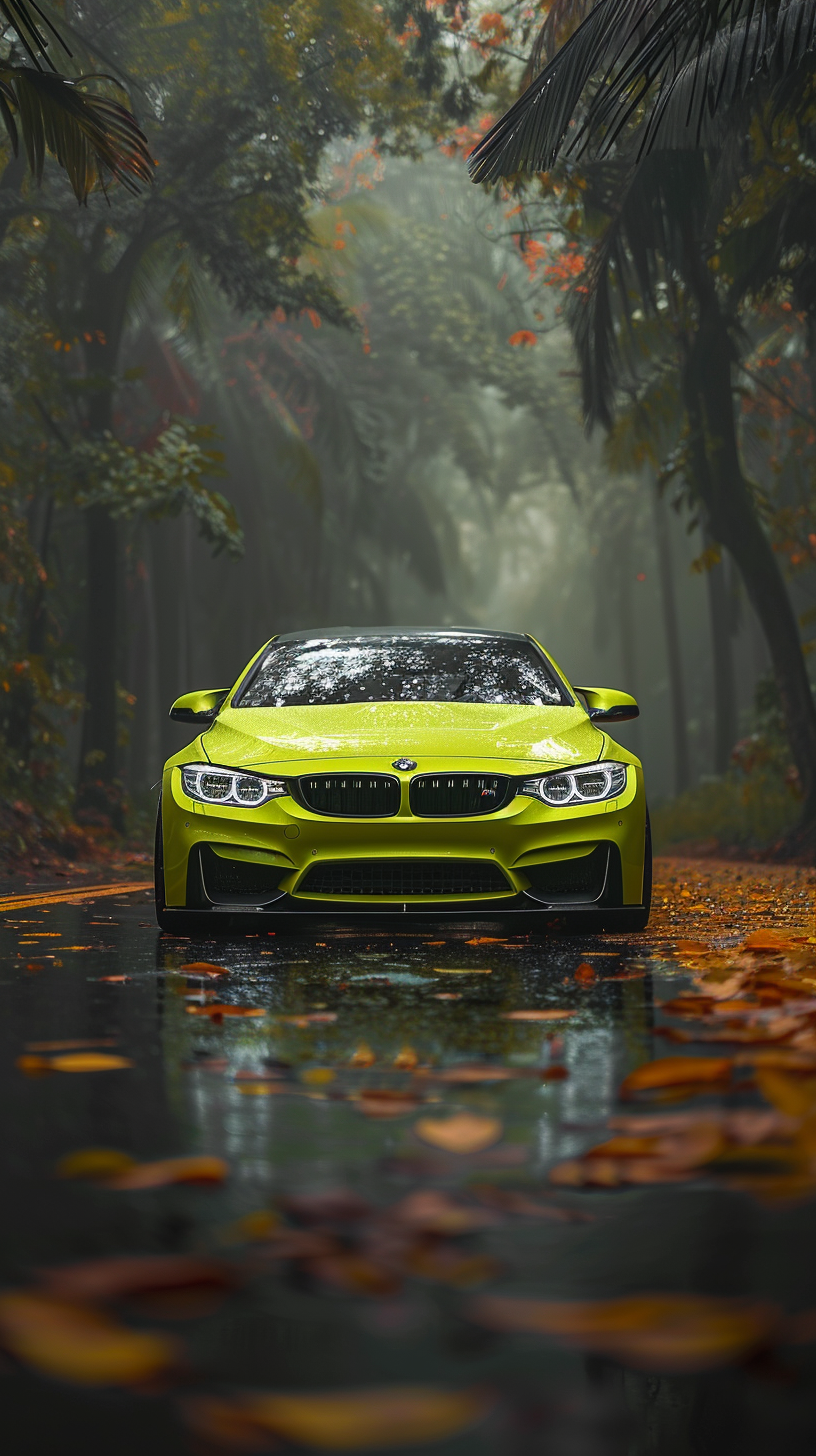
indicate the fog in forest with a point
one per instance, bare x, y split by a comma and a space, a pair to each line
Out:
418, 469
313, 376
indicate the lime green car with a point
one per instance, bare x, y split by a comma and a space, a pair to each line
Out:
403, 771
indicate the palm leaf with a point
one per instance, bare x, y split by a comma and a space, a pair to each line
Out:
34, 30
673, 64
652, 213
91, 135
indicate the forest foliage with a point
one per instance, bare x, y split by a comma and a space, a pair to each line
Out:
312, 350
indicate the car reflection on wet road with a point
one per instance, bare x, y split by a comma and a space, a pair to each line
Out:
352, 1133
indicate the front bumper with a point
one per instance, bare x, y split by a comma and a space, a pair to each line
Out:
282, 841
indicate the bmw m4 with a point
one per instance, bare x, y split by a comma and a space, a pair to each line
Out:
399, 771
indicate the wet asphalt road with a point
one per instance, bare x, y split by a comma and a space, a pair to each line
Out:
290, 1104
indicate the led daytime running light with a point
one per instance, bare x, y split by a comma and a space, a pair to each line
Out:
212, 785
589, 785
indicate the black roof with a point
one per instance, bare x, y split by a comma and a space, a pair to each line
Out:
313, 634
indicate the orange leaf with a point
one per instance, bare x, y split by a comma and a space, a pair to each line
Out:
73, 1343
117, 1278
201, 1169
523, 337
585, 973
204, 968
353, 1420
406, 1059
661, 1332
464, 1132
387, 1102
363, 1056
89, 1062
677, 1072
768, 940
538, 1015
94, 1163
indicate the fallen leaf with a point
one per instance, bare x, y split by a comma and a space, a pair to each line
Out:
406, 1059
351, 1420
94, 1163
363, 1056
99, 1280
768, 940
791, 1094
72, 1342
464, 1132
585, 974
197, 1169
216, 1010
538, 1015
89, 1062
33, 1066
204, 968
447, 996
678, 1072
112, 979
387, 1102
318, 1076
252, 1228
481, 940
693, 947
660, 1332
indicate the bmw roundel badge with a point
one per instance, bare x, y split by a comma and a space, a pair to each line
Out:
404, 763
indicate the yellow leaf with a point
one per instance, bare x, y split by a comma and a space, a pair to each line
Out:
74, 1343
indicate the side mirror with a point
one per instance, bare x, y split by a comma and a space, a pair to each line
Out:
200, 707
606, 705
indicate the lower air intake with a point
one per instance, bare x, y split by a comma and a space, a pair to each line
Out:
570, 881
404, 878
236, 881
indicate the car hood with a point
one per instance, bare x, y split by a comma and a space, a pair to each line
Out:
557, 735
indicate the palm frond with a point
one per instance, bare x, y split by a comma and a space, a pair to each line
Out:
667, 67
92, 136
35, 31
652, 214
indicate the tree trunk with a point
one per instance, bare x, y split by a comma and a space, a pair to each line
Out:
725, 693
98, 751
677, 686
733, 521
99, 798
99, 792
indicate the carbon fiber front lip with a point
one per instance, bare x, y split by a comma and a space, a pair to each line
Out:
492, 909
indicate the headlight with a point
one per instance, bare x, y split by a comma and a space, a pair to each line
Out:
223, 786
579, 785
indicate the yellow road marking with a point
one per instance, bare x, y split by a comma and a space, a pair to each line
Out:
60, 897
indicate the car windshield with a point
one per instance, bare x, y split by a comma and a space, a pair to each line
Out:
415, 669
